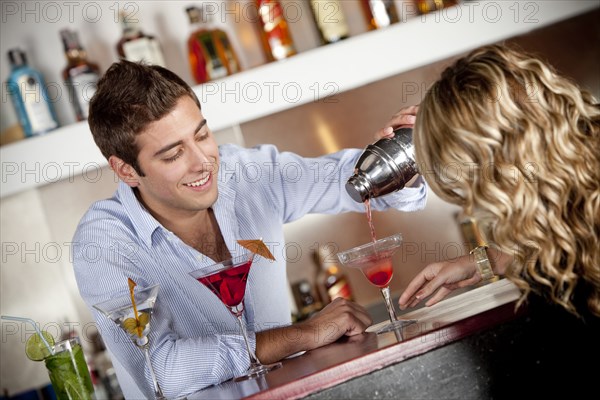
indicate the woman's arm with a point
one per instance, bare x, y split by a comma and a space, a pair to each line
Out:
441, 278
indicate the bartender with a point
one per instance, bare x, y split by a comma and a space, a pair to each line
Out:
182, 204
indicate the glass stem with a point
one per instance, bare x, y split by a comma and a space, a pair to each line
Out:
388, 303
253, 360
157, 392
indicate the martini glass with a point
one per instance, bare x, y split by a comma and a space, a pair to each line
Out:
374, 259
134, 319
227, 280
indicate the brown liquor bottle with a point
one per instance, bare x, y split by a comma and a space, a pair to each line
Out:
305, 300
135, 45
80, 75
331, 280
226, 51
379, 13
275, 34
210, 52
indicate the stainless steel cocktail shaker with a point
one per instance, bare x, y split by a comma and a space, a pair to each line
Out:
384, 167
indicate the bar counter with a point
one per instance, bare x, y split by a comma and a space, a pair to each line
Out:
445, 355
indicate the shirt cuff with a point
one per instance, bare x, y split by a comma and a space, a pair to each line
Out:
412, 198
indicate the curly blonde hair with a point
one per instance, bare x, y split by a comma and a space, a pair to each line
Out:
504, 136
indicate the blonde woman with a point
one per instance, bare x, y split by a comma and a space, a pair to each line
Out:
517, 146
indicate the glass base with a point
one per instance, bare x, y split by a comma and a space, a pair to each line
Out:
396, 325
256, 371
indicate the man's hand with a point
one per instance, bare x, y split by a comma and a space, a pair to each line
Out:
405, 118
340, 317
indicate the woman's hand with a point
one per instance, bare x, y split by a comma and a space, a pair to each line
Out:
444, 276
405, 118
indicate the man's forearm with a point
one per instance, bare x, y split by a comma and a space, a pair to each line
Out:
338, 318
274, 344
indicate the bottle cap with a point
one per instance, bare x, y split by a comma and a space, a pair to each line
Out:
324, 256
17, 57
129, 24
194, 14
70, 40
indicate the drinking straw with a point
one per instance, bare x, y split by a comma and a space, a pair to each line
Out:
32, 322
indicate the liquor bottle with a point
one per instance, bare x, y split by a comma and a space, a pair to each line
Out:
330, 20
331, 281
294, 313
305, 300
210, 52
379, 13
426, 6
276, 38
80, 75
28, 93
135, 45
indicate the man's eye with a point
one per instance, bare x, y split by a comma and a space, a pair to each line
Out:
173, 158
200, 138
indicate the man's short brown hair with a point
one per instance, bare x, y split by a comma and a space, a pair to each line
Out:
129, 97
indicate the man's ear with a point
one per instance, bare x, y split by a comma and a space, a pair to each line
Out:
124, 171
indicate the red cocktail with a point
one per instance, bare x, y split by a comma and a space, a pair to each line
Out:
230, 284
375, 261
227, 280
379, 271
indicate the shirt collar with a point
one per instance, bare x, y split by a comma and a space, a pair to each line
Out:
143, 222
224, 207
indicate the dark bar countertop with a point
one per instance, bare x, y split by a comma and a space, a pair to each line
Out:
473, 345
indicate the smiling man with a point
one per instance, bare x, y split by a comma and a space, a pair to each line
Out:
176, 176
181, 205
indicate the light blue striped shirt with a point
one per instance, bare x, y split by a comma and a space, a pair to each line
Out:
195, 341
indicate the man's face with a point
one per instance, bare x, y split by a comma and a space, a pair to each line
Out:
180, 160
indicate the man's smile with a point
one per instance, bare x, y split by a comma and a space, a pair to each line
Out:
199, 182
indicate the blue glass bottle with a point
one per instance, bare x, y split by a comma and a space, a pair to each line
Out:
29, 96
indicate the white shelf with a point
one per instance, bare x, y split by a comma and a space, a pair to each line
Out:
304, 78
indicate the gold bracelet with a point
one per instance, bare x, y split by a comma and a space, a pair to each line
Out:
483, 263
